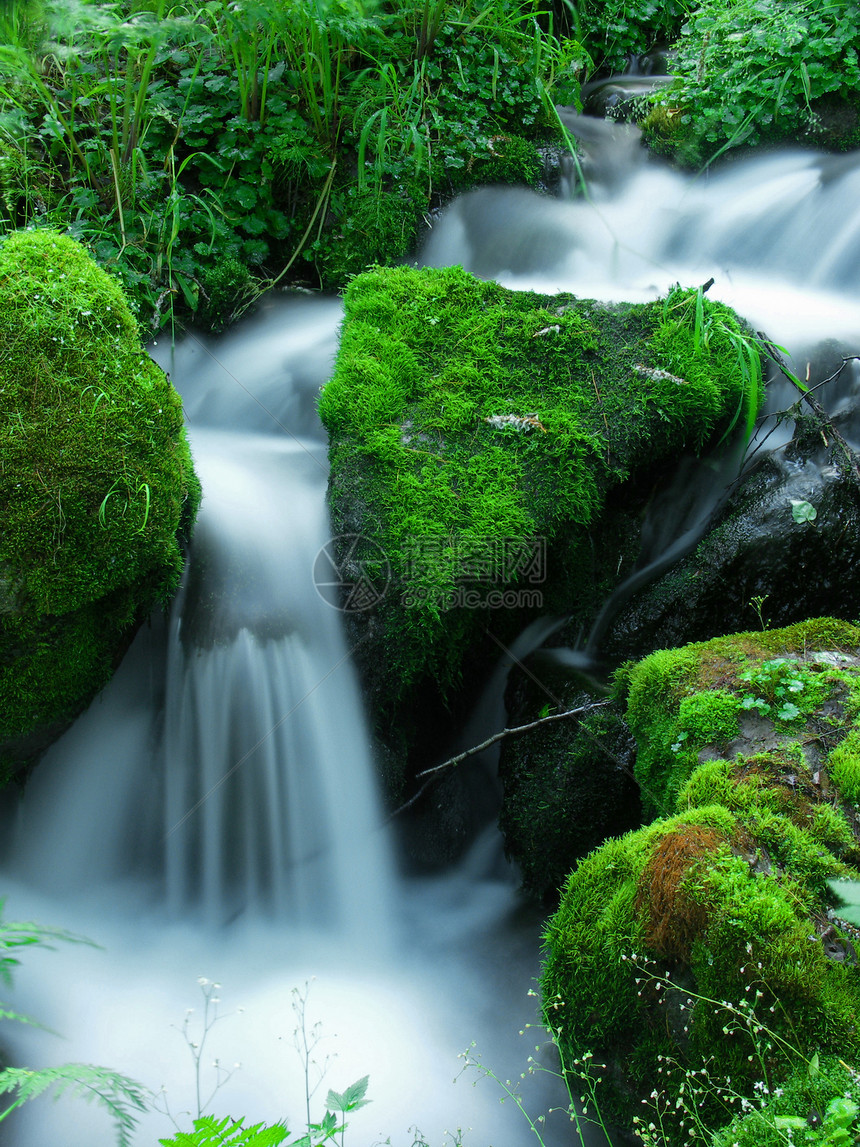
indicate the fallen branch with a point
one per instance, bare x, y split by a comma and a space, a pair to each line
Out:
432, 774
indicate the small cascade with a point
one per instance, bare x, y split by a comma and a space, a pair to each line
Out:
269, 790
214, 814
780, 235
224, 776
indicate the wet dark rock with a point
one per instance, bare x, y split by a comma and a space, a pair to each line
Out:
568, 785
756, 550
620, 97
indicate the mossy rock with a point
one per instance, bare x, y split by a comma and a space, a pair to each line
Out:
667, 936
475, 433
746, 693
97, 483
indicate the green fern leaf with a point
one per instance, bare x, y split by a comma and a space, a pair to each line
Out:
20, 1018
120, 1096
227, 1132
27, 933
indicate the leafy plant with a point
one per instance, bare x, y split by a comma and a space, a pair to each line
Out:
122, 1098
614, 34
757, 604
772, 685
227, 1132
211, 1132
748, 72
711, 329
274, 136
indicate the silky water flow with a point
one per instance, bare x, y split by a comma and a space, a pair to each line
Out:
213, 814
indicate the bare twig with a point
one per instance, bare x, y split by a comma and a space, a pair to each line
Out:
452, 762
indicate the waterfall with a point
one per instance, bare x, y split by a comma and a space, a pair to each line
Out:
214, 814
269, 788
780, 235
260, 762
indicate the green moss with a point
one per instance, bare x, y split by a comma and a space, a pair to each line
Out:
728, 897
674, 694
365, 227
96, 480
460, 411
508, 159
844, 765
597, 923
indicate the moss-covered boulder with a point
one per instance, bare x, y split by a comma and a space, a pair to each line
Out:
708, 938
96, 483
476, 433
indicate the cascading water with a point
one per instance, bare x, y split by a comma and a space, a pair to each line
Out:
213, 812
268, 779
779, 234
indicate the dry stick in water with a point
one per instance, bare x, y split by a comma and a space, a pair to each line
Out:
431, 774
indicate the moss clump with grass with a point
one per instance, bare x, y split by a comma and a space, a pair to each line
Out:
467, 420
680, 700
740, 971
96, 481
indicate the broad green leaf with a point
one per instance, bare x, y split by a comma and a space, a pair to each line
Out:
803, 511
848, 891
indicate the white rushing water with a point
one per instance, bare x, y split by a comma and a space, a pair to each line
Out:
214, 813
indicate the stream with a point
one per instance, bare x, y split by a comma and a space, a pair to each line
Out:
214, 814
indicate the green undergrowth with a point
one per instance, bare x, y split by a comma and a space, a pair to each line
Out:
816, 1105
704, 950
95, 476
207, 152
461, 413
748, 73
614, 33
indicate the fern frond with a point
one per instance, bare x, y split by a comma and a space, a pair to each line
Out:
120, 1096
227, 1132
27, 933
20, 1018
